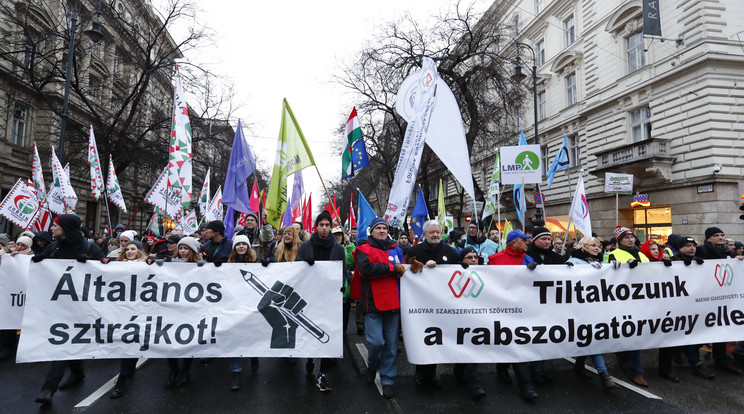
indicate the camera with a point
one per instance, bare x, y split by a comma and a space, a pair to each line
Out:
716, 168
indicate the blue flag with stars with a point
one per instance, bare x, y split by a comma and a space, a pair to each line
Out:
418, 216
354, 156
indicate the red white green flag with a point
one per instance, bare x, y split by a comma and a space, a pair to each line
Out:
204, 196
162, 196
94, 162
113, 191
38, 177
214, 212
179, 154
20, 205
62, 198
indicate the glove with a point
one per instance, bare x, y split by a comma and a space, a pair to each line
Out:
37, 259
464, 265
168, 259
343, 289
82, 258
569, 264
310, 261
265, 263
532, 265
698, 260
399, 270
615, 264
159, 262
687, 261
597, 265
200, 263
218, 263
667, 262
632, 263
416, 266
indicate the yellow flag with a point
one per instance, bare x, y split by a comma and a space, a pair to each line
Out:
507, 229
292, 155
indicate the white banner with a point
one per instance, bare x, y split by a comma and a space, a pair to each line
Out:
135, 310
13, 275
618, 183
488, 314
415, 102
521, 161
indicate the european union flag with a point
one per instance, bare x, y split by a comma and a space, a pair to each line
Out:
418, 216
364, 218
359, 157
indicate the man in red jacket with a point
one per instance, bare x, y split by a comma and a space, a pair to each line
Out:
515, 251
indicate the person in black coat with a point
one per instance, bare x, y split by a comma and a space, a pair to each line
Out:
322, 246
431, 252
541, 248
69, 244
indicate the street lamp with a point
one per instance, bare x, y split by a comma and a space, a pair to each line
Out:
95, 35
519, 76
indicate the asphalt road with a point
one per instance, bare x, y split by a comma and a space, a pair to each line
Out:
281, 386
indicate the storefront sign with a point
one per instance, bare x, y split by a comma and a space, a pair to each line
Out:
618, 183
640, 200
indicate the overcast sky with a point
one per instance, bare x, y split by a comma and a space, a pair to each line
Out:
277, 49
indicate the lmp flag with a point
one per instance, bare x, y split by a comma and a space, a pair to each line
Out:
113, 191
94, 162
364, 218
162, 196
62, 198
292, 155
179, 154
239, 168
354, 157
204, 195
493, 189
560, 162
20, 205
38, 177
580, 209
214, 211
419, 213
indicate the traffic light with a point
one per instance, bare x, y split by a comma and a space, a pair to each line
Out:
741, 208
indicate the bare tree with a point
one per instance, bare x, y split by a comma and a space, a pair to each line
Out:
467, 51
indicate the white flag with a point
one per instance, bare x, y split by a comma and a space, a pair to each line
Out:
94, 162
113, 191
162, 196
214, 211
38, 177
189, 223
20, 205
62, 198
204, 195
415, 102
580, 209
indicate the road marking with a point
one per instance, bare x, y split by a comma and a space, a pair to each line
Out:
105, 388
622, 383
363, 350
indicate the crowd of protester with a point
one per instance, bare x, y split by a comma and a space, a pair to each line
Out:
370, 283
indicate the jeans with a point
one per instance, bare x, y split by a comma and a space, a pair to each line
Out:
598, 361
382, 344
634, 362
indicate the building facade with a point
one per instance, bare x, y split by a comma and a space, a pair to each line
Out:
666, 109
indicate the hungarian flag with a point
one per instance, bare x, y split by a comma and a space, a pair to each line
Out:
351, 219
94, 162
38, 177
204, 195
354, 156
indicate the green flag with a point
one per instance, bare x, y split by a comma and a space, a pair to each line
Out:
493, 189
441, 213
292, 155
507, 229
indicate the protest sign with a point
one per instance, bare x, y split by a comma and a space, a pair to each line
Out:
13, 274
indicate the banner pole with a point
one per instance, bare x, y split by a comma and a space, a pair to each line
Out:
617, 210
521, 205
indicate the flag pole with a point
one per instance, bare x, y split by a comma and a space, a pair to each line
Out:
108, 213
521, 204
617, 211
134, 215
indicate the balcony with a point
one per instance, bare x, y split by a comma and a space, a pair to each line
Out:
644, 159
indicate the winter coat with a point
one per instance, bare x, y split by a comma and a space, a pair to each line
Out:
484, 246
311, 250
218, 251
73, 245
623, 255
440, 253
710, 251
509, 256
375, 282
544, 256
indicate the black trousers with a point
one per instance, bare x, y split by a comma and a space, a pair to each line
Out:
470, 373
57, 371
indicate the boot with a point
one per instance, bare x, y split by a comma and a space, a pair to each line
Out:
254, 365
235, 384
581, 371
72, 380
607, 381
44, 397
119, 388
528, 392
172, 378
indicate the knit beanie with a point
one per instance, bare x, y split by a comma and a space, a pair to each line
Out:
190, 242
711, 231
540, 231
241, 239
376, 222
324, 215
621, 232
217, 226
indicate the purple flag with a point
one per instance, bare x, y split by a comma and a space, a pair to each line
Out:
287, 217
229, 221
240, 167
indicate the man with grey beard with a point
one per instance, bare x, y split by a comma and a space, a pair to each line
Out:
431, 252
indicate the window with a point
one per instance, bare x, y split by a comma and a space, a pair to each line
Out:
640, 124
653, 223
433, 191
95, 48
541, 52
571, 89
542, 109
20, 115
636, 53
27, 51
515, 25
573, 150
568, 26
539, 6
94, 87
117, 61
545, 160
